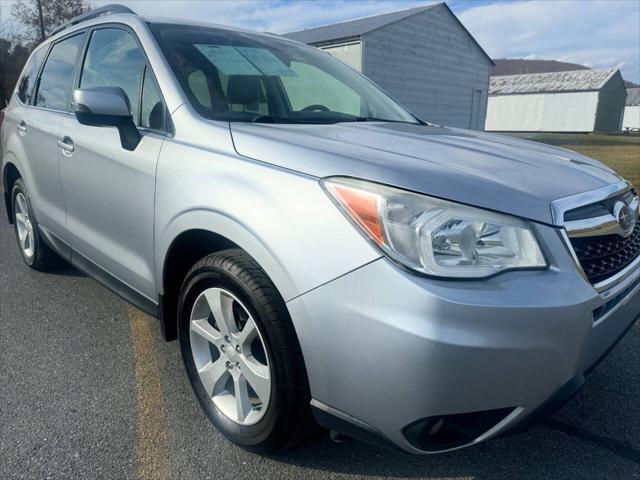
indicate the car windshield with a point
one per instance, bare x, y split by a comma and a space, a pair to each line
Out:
242, 77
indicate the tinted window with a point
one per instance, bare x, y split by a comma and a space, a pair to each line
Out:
312, 86
25, 85
238, 76
152, 114
57, 75
114, 59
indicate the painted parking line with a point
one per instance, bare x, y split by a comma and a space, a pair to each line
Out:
153, 454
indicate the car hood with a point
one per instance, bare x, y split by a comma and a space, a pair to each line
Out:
492, 171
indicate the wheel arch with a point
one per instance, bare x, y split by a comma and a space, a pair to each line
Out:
185, 250
10, 173
196, 234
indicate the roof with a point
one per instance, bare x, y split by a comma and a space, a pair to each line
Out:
633, 96
356, 27
521, 66
571, 81
95, 13
360, 26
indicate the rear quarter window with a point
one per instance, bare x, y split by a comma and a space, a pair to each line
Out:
25, 86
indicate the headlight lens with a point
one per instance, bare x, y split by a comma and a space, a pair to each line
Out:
434, 236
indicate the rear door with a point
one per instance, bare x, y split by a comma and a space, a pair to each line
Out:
110, 191
40, 111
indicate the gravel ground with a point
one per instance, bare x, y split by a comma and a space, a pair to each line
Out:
90, 390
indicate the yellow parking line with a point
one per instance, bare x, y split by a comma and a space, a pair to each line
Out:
153, 460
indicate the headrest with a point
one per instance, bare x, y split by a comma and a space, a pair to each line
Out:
243, 89
156, 117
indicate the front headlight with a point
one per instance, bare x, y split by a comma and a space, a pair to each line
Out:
434, 236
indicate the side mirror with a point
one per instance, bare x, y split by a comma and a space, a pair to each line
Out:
107, 107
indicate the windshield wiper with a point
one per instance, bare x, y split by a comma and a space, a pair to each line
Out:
375, 119
273, 119
277, 119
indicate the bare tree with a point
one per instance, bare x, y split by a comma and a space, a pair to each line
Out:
14, 51
12, 58
31, 21
40, 17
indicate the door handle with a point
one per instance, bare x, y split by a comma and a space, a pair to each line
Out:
66, 144
22, 128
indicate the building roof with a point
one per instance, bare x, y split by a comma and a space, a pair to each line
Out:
359, 26
522, 66
354, 28
571, 81
633, 96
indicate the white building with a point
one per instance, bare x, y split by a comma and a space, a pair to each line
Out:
574, 101
631, 119
423, 57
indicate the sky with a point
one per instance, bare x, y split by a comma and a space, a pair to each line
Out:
595, 33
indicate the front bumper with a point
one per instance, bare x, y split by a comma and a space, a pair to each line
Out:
386, 349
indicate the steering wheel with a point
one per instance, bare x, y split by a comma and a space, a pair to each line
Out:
315, 108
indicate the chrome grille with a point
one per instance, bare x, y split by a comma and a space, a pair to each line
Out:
594, 223
604, 256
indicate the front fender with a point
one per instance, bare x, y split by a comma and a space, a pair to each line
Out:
283, 219
231, 228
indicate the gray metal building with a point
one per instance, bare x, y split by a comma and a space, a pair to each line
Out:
573, 101
423, 57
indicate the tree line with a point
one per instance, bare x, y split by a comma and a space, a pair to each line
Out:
30, 23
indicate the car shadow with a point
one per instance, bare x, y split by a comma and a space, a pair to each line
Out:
67, 270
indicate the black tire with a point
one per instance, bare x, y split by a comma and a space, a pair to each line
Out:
43, 258
288, 417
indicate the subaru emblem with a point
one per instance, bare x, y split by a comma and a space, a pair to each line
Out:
625, 218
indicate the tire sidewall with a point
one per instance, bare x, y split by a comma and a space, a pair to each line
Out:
19, 187
207, 277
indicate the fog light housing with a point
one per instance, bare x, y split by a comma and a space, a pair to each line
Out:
445, 432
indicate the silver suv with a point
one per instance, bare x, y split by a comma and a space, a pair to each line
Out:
322, 255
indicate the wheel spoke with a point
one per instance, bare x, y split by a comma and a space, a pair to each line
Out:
202, 328
221, 306
23, 237
22, 204
243, 403
257, 375
248, 334
21, 218
28, 241
213, 375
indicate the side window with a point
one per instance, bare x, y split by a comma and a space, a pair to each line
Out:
152, 113
114, 59
57, 75
29, 73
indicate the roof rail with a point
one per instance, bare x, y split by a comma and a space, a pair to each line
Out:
95, 13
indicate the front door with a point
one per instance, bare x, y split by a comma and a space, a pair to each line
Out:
110, 191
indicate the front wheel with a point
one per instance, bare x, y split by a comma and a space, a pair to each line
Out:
241, 353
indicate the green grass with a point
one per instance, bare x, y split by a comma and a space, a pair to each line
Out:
620, 152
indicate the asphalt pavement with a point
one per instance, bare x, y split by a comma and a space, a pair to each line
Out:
88, 389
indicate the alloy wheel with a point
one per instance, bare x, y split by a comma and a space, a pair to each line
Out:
230, 356
24, 226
